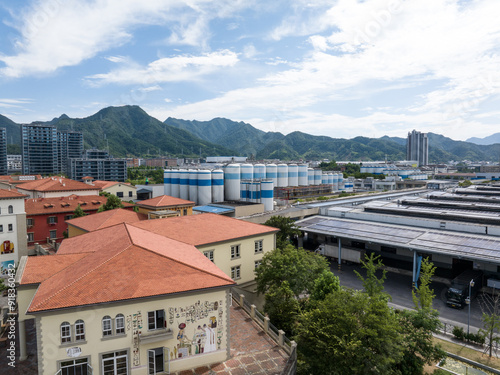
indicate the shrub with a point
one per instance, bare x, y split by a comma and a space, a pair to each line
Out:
458, 332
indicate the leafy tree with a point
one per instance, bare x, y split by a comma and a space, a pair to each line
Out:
373, 285
287, 228
112, 202
325, 284
78, 212
490, 304
282, 306
300, 268
465, 183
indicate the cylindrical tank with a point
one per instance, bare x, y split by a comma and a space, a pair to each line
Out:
303, 175
254, 191
310, 176
259, 171
193, 185
204, 186
293, 175
272, 173
184, 184
175, 183
341, 181
282, 175
217, 185
324, 179
335, 186
232, 182
167, 182
267, 194
246, 171
317, 176
244, 190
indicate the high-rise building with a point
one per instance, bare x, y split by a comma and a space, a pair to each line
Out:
99, 169
417, 148
69, 145
3, 152
39, 149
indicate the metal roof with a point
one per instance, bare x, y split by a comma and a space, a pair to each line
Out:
471, 246
213, 209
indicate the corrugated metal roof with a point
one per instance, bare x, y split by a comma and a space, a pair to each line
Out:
213, 209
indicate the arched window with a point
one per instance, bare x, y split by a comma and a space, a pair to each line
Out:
79, 330
65, 332
107, 329
11, 210
119, 324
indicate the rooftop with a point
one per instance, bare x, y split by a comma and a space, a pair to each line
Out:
164, 201
8, 194
106, 219
55, 184
41, 206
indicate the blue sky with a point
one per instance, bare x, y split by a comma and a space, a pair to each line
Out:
338, 68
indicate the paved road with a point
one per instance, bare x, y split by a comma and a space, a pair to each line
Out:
398, 286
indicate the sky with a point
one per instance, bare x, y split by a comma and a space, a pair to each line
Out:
339, 68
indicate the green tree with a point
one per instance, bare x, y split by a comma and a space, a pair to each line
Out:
373, 285
490, 304
325, 284
300, 268
112, 202
287, 228
348, 332
78, 212
282, 306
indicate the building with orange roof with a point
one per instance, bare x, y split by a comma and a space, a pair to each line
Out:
52, 187
124, 300
165, 206
123, 190
11, 181
46, 217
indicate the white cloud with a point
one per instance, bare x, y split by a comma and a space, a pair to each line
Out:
150, 88
14, 103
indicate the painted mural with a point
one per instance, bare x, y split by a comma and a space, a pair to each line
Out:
134, 323
7, 247
4, 267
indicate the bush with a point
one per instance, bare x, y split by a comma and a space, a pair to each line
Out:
458, 332
475, 338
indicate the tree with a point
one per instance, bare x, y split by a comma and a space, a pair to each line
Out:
373, 285
282, 306
490, 305
287, 228
300, 268
348, 332
325, 284
78, 212
111, 203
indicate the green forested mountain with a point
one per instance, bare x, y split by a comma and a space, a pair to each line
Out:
13, 130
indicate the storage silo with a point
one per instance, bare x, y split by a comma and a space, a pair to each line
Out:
184, 184
330, 179
243, 190
175, 183
341, 181
217, 185
232, 182
324, 179
310, 176
255, 191
317, 176
293, 175
259, 171
282, 175
335, 186
246, 171
204, 186
167, 182
193, 185
272, 173
303, 175
267, 194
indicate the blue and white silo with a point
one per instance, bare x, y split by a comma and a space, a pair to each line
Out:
317, 176
167, 182
193, 185
217, 185
267, 194
303, 180
259, 171
272, 173
282, 175
204, 186
184, 184
246, 171
310, 176
293, 175
232, 180
175, 183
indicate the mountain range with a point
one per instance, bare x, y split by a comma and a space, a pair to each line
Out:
129, 131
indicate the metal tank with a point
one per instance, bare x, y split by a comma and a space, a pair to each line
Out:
217, 185
272, 173
246, 171
204, 187
232, 182
303, 181
317, 176
193, 185
184, 184
293, 175
282, 175
167, 182
310, 176
259, 171
267, 194
175, 183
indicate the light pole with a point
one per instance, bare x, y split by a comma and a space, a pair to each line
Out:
471, 284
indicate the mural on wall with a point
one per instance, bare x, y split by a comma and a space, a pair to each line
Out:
4, 267
134, 323
7, 247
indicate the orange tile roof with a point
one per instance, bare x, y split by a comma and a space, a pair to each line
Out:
42, 206
104, 184
125, 263
204, 229
41, 268
164, 201
106, 219
55, 184
6, 194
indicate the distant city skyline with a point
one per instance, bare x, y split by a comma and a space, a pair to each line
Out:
341, 68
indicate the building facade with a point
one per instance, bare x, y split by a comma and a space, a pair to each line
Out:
69, 145
39, 149
3, 151
417, 148
53, 187
99, 169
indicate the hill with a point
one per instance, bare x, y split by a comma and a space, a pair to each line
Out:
489, 140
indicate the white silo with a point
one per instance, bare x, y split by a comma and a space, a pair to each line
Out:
330, 179
167, 182
193, 185
244, 191
282, 175
204, 186
175, 183
217, 185
267, 194
254, 191
310, 176
259, 171
246, 171
324, 179
341, 181
317, 176
293, 175
335, 186
232, 182
303, 175
272, 173
184, 184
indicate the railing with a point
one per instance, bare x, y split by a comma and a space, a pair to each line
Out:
289, 346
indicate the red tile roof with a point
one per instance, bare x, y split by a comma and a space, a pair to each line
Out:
204, 228
41, 268
42, 206
104, 184
125, 263
55, 184
106, 219
164, 201
6, 194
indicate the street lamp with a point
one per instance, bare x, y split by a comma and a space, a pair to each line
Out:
467, 301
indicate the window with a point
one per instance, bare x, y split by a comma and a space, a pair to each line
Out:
209, 254
31, 237
30, 222
235, 273
53, 234
130, 194
11, 210
235, 251
258, 247
155, 361
79, 330
119, 194
156, 319
75, 366
107, 329
257, 263
120, 324
11, 227
1, 228
68, 217
52, 220
115, 363
65, 332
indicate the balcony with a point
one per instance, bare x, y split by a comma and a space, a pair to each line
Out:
156, 335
